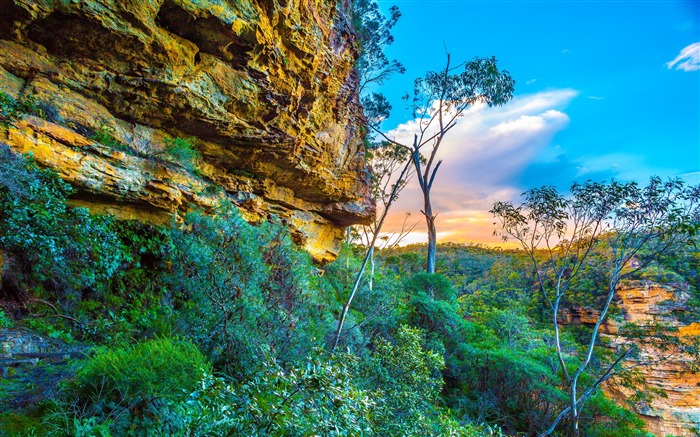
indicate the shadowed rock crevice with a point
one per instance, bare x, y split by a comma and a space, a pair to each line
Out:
209, 34
86, 40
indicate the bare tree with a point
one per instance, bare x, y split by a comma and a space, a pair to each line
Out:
370, 249
439, 99
559, 234
386, 162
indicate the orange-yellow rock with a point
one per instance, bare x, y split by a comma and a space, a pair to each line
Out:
266, 89
671, 371
678, 413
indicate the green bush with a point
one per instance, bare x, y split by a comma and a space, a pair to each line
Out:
611, 420
315, 397
105, 136
120, 313
20, 425
435, 285
5, 322
405, 381
57, 248
240, 290
159, 368
134, 387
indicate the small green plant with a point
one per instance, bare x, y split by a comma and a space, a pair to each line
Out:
154, 369
51, 328
90, 427
13, 108
5, 322
105, 136
181, 151
20, 425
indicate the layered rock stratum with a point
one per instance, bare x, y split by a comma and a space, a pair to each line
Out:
675, 409
264, 90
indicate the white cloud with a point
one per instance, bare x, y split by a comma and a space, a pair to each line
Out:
688, 59
483, 156
692, 177
596, 98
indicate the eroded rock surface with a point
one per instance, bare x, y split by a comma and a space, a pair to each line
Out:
670, 371
265, 88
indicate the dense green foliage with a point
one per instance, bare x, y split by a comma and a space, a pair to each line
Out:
254, 316
59, 250
243, 290
214, 327
181, 151
132, 387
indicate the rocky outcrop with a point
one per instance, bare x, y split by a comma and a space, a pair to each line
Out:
264, 90
670, 371
32, 367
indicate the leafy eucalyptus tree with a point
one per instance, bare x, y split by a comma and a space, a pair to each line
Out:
636, 225
439, 100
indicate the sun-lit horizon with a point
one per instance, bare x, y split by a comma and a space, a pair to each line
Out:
604, 90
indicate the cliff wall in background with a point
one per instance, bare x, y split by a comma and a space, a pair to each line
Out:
265, 89
643, 302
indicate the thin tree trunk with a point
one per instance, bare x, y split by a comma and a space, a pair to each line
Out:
368, 255
371, 272
346, 308
574, 408
432, 233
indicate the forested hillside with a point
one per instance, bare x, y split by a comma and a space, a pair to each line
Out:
216, 327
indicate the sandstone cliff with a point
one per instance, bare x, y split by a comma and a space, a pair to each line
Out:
670, 371
264, 89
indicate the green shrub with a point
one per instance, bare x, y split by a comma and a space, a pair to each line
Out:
90, 427
60, 249
315, 397
435, 285
611, 420
120, 314
105, 136
5, 322
133, 387
20, 425
405, 381
241, 290
161, 368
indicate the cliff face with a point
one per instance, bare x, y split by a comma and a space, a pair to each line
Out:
669, 371
264, 89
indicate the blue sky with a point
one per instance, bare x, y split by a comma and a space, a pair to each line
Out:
598, 96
